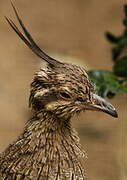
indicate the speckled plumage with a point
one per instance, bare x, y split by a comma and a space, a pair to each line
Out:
49, 148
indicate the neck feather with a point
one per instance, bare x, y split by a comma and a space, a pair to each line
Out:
48, 149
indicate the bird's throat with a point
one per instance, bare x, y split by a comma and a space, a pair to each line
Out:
47, 149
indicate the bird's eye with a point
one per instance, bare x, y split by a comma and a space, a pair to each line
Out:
65, 95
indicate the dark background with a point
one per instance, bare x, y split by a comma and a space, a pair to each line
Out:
73, 31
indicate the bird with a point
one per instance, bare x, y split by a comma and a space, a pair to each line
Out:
49, 147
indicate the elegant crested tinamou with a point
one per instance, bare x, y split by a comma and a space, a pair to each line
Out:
49, 148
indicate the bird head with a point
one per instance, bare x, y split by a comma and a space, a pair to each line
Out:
64, 90
61, 89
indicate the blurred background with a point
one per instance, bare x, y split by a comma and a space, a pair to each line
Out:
73, 31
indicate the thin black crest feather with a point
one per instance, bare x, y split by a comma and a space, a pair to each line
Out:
28, 40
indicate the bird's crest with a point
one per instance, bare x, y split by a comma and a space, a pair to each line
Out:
28, 40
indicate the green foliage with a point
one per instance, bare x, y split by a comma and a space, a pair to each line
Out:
107, 83
120, 67
119, 42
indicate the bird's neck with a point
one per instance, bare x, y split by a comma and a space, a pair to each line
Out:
52, 146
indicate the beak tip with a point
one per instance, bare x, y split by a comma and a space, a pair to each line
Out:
115, 114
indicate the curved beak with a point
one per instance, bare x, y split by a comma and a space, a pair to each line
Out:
100, 104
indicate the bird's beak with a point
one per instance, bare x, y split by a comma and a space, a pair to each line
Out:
100, 104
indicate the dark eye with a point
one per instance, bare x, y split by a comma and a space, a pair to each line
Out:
65, 95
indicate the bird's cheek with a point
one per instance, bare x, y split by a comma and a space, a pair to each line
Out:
51, 106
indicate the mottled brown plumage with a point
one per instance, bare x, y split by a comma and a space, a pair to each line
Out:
49, 148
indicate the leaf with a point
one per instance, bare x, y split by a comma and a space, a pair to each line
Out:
125, 12
112, 38
106, 83
120, 67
